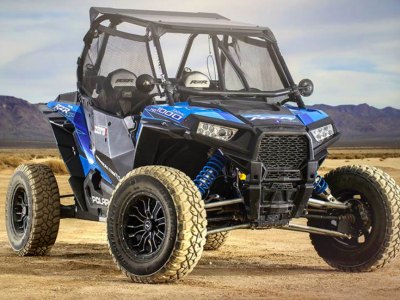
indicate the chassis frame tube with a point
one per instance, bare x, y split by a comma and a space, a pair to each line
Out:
291, 227
325, 204
229, 228
314, 230
223, 203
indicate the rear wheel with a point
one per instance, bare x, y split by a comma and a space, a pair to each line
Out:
373, 220
216, 240
32, 210
156, 225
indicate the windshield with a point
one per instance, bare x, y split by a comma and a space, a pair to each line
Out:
231, 63
246, 62
256, 64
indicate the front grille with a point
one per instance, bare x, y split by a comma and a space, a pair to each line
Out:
283, 152
283, 175
280, 186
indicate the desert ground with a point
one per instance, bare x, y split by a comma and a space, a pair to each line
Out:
259, 264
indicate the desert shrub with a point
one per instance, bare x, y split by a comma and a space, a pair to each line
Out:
10, 161
364, 155
324, 170
56, 165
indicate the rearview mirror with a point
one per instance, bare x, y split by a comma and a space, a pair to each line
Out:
306, 87
145, 83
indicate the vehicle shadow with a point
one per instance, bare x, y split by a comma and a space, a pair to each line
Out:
94, 259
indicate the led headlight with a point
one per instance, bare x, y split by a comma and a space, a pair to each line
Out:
323, 132
218, 132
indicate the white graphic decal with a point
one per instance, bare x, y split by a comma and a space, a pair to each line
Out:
169, 114
100, 130
100, 201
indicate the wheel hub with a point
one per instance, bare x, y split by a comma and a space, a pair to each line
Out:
145, 227
148, 225
357, 222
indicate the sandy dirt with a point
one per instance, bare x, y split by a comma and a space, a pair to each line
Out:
252, 265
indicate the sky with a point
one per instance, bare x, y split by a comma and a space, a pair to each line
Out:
349, 49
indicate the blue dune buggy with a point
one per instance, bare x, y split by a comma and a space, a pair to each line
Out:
172, 163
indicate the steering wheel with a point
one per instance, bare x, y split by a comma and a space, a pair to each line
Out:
255, 90
146, 102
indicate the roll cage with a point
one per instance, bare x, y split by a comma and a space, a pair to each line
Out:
219, 29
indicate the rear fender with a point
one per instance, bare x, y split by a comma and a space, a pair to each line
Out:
64, 134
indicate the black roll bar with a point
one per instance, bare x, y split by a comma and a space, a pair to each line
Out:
271, 94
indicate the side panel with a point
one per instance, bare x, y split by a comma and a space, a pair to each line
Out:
97, 149
75, 115
113, 144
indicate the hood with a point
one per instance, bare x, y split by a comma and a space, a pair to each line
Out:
260, 113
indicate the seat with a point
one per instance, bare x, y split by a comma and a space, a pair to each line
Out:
119, 95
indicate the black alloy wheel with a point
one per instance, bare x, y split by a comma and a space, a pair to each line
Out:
20, 211
144, 224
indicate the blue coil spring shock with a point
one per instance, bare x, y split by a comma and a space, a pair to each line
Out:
322, 189
210, 172
320, 185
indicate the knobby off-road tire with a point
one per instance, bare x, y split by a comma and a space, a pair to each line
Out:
216, 240
32, 210
380, 195
156, 225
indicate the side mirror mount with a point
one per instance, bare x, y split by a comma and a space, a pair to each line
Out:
145, 83
306, 87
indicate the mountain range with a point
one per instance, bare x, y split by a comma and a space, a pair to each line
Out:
22, 124
365, 125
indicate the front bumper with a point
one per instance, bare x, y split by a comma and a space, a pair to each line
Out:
270, 203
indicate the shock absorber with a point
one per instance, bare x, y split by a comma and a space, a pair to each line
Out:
210, 172
321, 188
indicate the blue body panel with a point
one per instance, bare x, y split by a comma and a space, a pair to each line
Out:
181, 111
75, 115
307, 116
176, 114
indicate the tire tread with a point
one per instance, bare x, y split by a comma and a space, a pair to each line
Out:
216, 240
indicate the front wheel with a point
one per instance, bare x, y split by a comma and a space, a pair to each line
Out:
156, 225
373, 220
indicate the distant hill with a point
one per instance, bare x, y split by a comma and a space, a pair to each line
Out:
23, 125
365, 125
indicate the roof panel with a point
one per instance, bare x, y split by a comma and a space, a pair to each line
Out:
176, 19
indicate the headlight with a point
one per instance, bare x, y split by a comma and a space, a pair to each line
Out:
323, 132
218, 132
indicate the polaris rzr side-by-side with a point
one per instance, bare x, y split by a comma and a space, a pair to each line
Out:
174, 145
